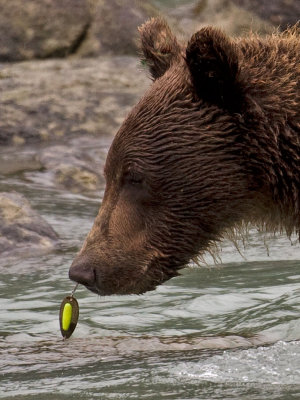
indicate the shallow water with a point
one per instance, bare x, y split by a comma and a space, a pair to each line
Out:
216, 332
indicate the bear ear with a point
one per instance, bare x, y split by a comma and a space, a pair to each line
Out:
213, 61
159, 46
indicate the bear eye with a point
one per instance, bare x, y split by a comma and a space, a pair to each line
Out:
133, 179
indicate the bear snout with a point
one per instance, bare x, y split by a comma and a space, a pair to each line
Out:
83, 272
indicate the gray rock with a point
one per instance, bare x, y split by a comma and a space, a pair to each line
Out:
188, 18
73, 169
114, 26
51, 99
236, 17
22, 230
58, 28
42, 28
11, 164
277, 12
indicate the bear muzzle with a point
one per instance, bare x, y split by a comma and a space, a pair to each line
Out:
84, 274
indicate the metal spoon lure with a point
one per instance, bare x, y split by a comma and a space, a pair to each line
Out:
68, 315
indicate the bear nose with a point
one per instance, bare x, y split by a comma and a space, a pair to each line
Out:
82, 273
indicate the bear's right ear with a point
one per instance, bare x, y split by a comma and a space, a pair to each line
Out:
159, 46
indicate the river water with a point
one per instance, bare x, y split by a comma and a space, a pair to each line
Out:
227, 331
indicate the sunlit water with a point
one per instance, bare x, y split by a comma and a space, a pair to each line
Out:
222, 332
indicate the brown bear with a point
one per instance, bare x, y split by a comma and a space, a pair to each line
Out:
214, 144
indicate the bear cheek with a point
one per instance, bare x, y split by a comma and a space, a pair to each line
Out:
115, 256
127, 223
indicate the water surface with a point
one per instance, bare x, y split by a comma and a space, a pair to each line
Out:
229, 331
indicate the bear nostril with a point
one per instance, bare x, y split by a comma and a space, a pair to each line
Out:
83, 274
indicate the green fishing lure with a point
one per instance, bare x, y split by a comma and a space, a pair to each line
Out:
68, 315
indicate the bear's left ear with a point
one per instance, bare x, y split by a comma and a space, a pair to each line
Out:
213, 61
159, 46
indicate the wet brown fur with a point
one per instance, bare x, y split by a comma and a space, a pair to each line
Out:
212, 146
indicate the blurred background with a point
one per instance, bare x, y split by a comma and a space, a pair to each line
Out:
69, 74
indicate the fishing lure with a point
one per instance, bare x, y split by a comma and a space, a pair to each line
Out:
68, 315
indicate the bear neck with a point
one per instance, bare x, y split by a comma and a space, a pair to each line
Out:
272, 122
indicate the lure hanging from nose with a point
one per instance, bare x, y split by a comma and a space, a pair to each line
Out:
68, 315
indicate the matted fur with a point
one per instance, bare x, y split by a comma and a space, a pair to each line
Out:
212, 148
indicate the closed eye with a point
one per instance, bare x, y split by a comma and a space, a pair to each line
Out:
136, 187
133, 179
